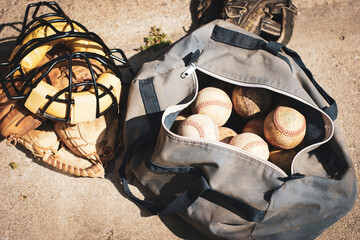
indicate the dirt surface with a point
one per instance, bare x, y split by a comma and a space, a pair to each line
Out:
40, 203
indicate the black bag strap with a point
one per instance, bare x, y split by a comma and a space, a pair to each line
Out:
182, 202
199, 188
331, 110
241, 40
151, 103
131, 151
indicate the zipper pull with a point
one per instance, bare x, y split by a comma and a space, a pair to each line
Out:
189, 70
189, 61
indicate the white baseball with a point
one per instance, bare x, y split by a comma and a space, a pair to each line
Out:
214, 103
199, 126
251, 143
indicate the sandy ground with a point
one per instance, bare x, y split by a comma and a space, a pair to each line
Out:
37, 202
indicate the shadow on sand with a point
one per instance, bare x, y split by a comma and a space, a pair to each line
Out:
173, 222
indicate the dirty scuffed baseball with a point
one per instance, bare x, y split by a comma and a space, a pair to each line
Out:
251, 102
283, 158
256, 126
226, 134
284, 127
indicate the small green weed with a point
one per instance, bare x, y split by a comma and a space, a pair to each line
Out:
13, 165
155, 40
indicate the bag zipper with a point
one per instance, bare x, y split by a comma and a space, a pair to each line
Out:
193, 67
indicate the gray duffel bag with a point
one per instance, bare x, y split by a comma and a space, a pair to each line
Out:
223, 191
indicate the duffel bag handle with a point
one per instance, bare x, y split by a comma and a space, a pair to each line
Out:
199, 188
331, 110
240, 40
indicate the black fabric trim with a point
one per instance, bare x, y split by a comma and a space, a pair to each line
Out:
191, 57
291, 177
188, 197
239, 207
164, 169
273, 47
334, 166
148, 95
240, 40
151, 103
236, 39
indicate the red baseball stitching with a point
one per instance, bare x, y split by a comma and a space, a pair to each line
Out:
213, 102
254, 144
277, 144
198, 127
282, 129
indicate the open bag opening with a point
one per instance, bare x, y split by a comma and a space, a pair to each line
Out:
237, 108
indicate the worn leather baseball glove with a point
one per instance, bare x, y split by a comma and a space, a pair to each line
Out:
80, 72
46, 145
80, 149
94, 140
42, 142
271, 19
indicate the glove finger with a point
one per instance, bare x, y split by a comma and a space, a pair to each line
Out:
42, 142
16, 120
67, 162
86, 139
